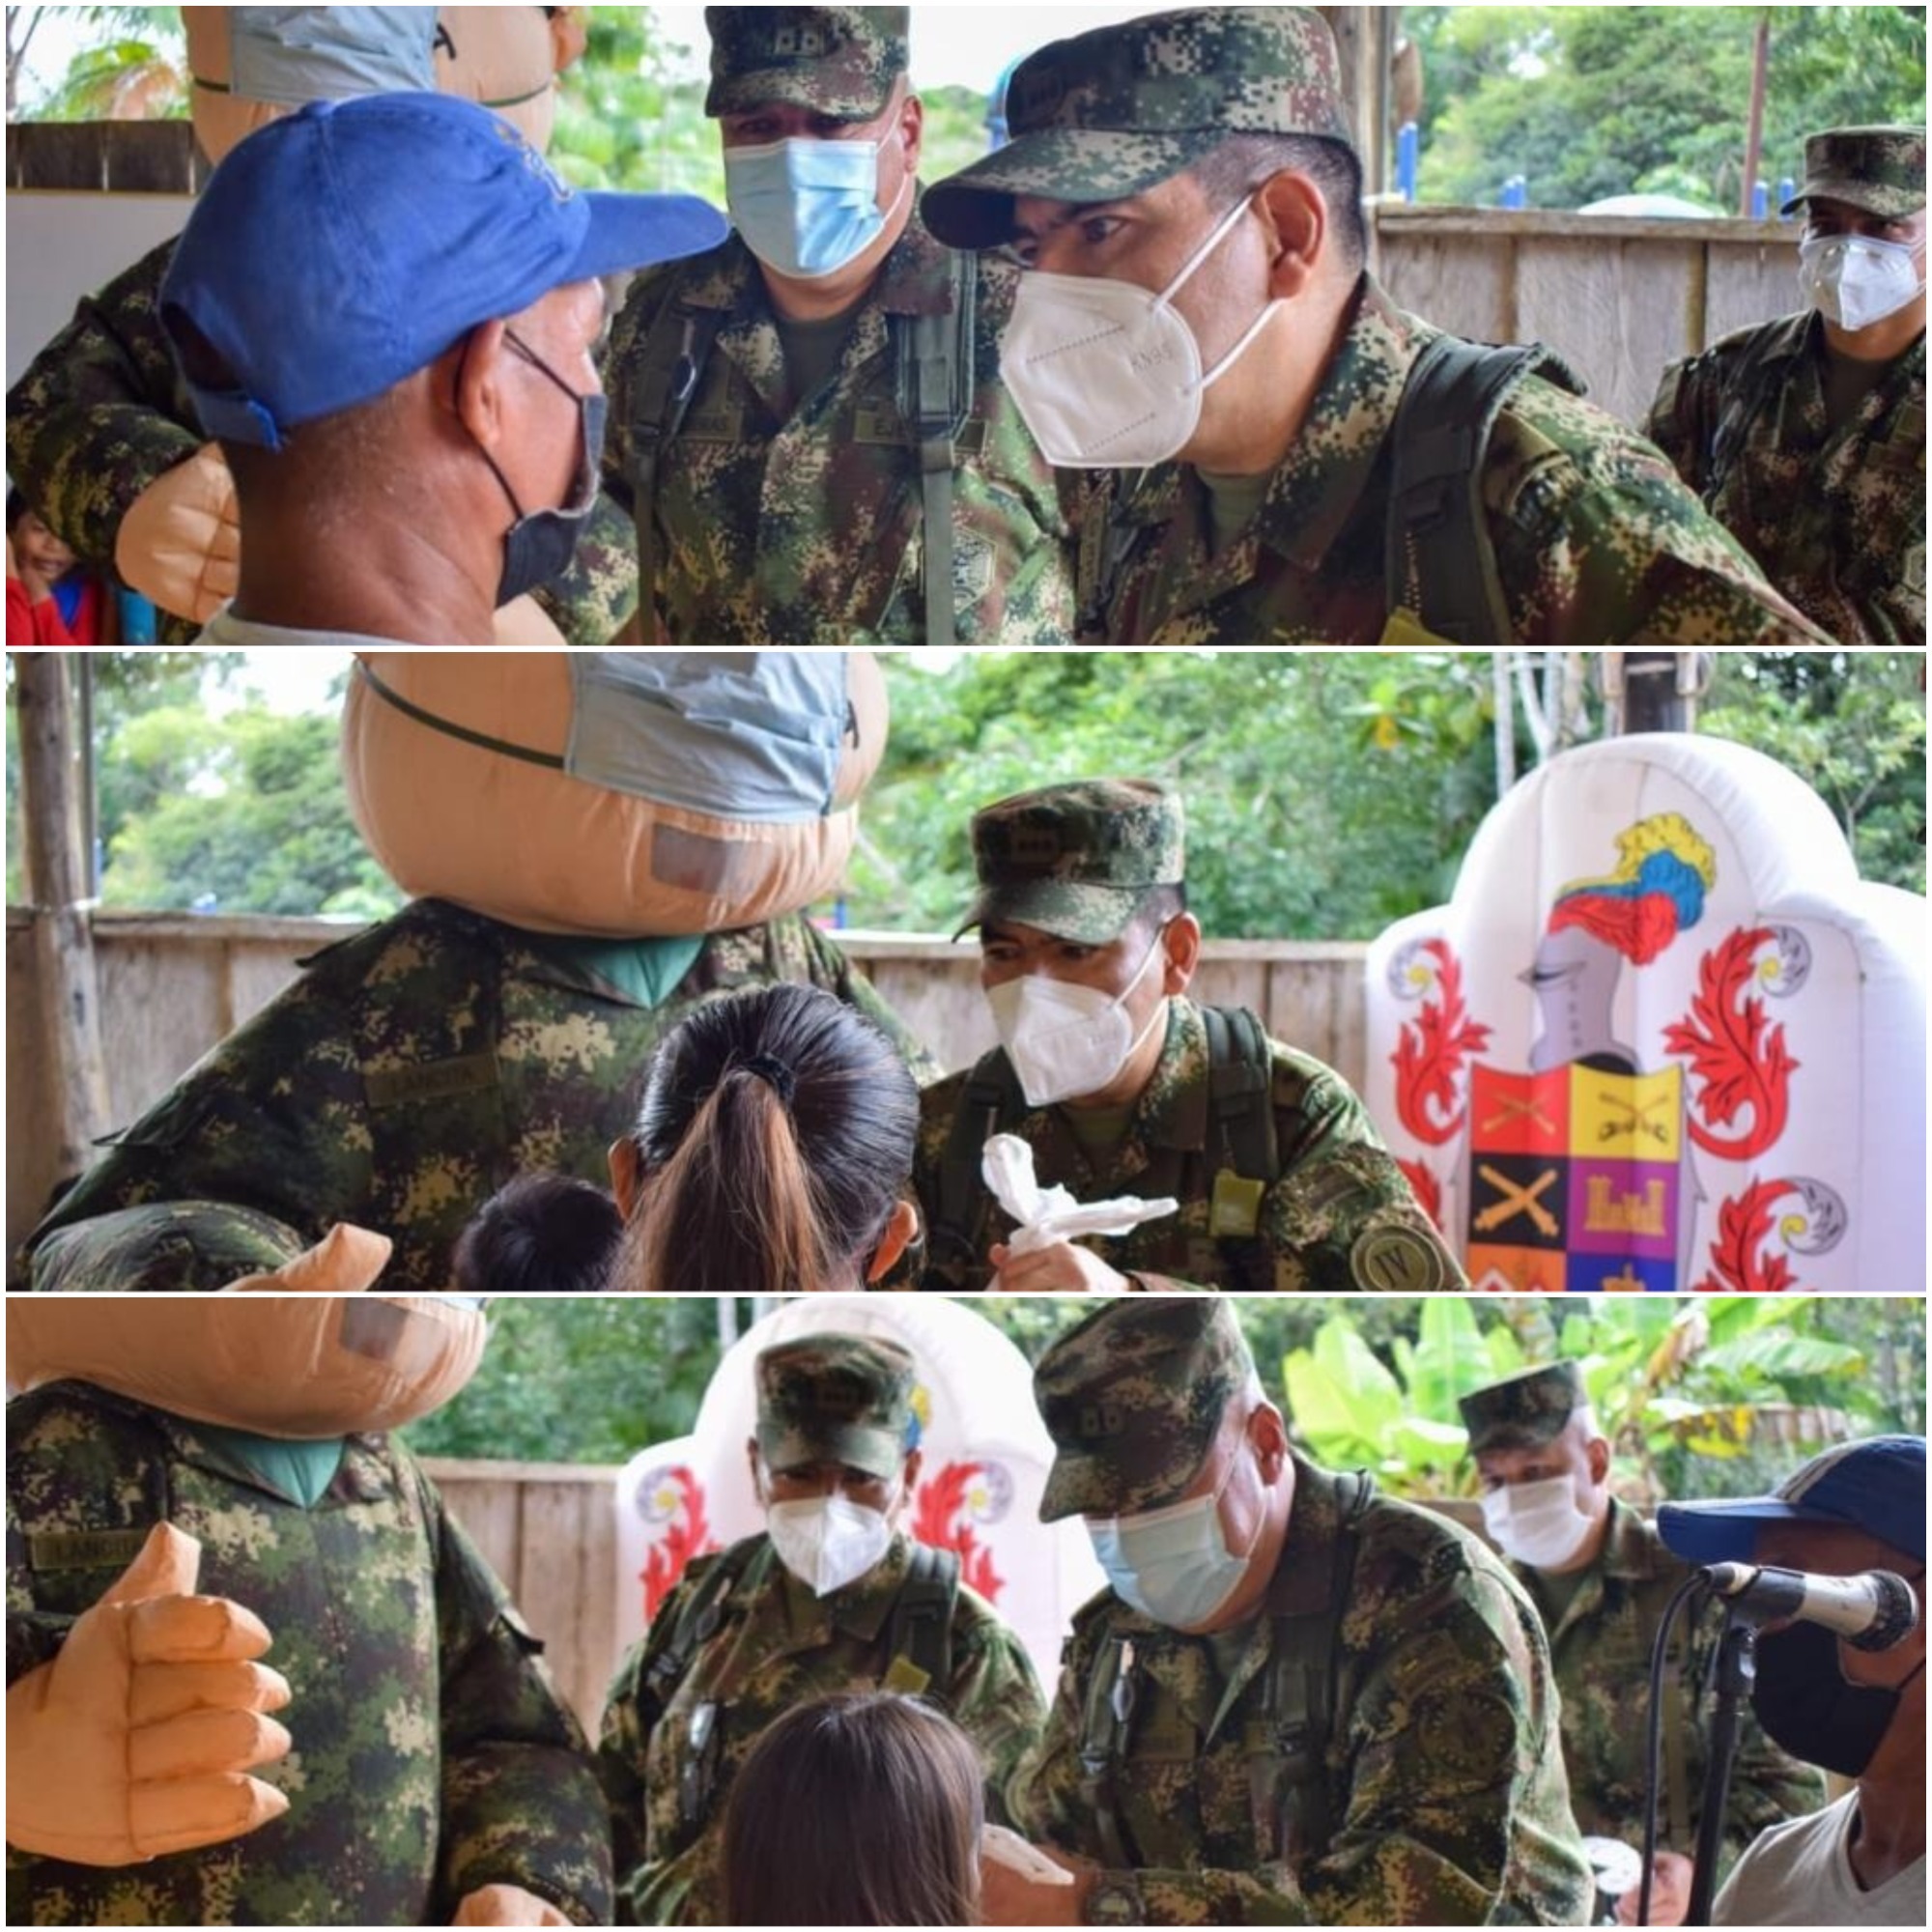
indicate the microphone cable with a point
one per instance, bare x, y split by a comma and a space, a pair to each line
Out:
1659, 1653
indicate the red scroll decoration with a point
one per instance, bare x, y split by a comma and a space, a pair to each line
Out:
942, 1519
688, 1536
1429, 1059
1741, 1062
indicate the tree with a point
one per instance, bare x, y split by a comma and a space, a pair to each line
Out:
132, 67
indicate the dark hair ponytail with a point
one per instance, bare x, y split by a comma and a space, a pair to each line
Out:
776, 1136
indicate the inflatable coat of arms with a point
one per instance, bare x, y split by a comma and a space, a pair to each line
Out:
1661, 1038
985, 1458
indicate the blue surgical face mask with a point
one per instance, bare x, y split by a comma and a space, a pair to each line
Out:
1173, 1564
808, 207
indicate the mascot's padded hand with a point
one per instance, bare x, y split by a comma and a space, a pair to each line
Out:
346, 1261
506, 1905
524, 625
180, 543
137, 1738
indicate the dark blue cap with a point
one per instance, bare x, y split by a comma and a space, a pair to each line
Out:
1877, 1486
344, 247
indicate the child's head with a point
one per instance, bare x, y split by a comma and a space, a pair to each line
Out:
36, 550
544, 1234
862, 1808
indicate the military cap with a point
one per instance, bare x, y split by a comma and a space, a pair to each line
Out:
1076, 860
1117, 110
168, 1247
1524, 1411
835, 1399
1133, 1398
841, 61
1881, 170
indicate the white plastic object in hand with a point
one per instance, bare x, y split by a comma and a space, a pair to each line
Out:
1049, 1214
1008, 1848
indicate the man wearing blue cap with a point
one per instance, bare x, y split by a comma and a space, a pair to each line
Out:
407, 400
1857, 1713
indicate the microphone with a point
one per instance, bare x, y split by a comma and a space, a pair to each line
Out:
1873, 1611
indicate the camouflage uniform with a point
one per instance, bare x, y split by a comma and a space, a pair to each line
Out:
1834, 514
1600, 1643
410, 1073
1596, 542
837, 1398
431, 1754
1442, 1778
101, 414
785, 521
1077, 861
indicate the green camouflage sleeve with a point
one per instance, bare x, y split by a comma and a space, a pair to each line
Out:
521, 1803
274, 1119
621, 1742
995, 1698
1682, 418
100, 413
1599, 543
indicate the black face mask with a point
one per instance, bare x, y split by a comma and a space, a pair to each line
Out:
1805, 1703
540, 543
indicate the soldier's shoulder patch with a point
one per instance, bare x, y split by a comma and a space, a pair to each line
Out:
1397, 1260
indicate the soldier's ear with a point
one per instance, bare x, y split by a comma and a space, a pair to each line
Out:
1297, 216
1183, 943
1600, 1462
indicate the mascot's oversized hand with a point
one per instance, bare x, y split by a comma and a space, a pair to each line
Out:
137, 1739
179, 544
506, 1905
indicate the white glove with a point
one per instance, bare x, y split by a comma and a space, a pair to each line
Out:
1049, 1214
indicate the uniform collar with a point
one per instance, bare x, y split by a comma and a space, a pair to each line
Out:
1631, 1549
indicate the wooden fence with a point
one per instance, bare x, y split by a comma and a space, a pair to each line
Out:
173, 985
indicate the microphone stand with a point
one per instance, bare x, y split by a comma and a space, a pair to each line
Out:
1735, 1671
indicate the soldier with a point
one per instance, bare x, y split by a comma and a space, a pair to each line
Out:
1603, 1580
1123, 1084
809, 428
1805, 437
102, 429
1298, 1703
834, 1596
420, 1768
1292, 460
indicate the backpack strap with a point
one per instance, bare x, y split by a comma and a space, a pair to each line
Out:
990, 1101
920, 1632
1112, 1693
1440, 568
1246, 1151
936, 356
676, 348
1304, 1673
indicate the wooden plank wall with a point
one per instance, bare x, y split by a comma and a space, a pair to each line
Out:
175, 985
1617, 298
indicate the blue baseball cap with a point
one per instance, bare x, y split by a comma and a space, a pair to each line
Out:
1877, 1486
341, 248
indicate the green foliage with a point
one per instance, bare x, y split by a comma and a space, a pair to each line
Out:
1589, 101
592, 1380
133, 65
1859, 741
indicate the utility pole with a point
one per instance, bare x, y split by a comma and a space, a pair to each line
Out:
67, 986
1653, 691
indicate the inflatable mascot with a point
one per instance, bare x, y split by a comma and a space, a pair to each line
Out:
101, 436
256, 1676
597, 841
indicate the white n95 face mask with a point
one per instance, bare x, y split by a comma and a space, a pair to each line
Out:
1855, 280
1536, 1523
827, 1542
1105, 374
1066, 1042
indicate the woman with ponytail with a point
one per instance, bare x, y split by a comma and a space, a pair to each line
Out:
772, 1154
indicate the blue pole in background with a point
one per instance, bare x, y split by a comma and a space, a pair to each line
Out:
1407, 150
1760, 201
1516, 192
1787, 188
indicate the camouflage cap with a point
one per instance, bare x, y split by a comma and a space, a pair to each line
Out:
841, 61
835, 1399
1881, 170
1524, 1411
1076, 860
165, 1247
1116, 111
1133, 1398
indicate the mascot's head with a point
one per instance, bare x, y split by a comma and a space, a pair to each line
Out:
251, 65
616, 794
293, 1346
